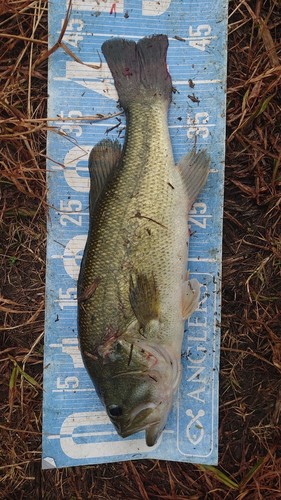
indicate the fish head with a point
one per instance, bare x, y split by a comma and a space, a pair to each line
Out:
138, 395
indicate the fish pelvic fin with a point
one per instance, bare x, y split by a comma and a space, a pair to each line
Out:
139, 69
144, 299
190, 297
194, 169
104, 158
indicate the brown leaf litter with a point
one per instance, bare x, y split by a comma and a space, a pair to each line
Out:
250, 390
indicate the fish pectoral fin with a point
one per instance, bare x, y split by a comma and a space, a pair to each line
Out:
194, 169
190, 297
103, 159
144, 298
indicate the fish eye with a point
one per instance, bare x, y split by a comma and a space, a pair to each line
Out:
115, 411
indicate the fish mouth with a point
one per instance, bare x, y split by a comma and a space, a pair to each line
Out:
152, 434
138, 421
152, 431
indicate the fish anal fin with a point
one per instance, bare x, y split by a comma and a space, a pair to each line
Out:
190, 297
104, 158
194, 169
144, 298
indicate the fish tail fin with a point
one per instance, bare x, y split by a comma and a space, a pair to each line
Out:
139, 69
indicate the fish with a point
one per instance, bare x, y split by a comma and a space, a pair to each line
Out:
134, 292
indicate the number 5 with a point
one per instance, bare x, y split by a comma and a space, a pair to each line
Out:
201, 30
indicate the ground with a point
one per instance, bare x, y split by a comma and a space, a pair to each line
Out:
250, 383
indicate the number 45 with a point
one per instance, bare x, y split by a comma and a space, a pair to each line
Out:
198, 35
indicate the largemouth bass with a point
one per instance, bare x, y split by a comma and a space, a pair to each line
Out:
133, 289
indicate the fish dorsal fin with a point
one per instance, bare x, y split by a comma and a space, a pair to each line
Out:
103, 159
144, 298
190, 297
194, 169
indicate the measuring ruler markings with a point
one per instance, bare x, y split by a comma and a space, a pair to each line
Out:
192, 426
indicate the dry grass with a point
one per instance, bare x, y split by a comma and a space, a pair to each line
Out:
250, 451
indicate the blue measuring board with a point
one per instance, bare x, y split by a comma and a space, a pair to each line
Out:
76, 429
